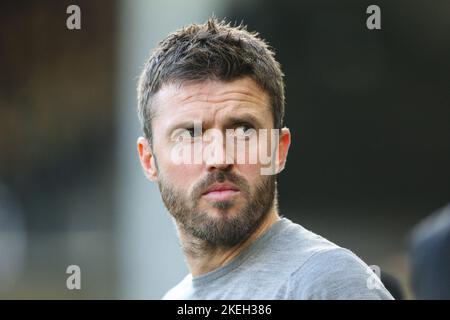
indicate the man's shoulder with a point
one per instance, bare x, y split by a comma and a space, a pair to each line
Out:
321, 269
179, 291
299, 243
336, 273
287, 250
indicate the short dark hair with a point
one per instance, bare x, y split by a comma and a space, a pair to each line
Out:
214, 50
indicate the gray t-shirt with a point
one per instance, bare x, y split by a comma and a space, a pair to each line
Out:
286, 262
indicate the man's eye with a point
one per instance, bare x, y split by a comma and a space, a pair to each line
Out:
184, 134
192, 132
244, 131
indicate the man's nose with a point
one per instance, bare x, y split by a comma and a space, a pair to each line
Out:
218, 166
217, 156
218, 159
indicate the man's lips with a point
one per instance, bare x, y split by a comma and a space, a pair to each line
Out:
221, 191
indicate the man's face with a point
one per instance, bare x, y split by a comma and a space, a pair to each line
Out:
217, 201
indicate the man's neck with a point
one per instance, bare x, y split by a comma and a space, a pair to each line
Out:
202, 258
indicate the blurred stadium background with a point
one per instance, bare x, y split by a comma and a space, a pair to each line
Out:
369, 112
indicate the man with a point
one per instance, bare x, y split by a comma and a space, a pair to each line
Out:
199, 83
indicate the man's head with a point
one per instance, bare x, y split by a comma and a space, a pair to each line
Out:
222, 77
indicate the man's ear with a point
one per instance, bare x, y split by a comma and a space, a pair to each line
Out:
147, 159
283, 148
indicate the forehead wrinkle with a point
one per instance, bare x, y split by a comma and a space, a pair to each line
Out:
218, 91
204, 94
230, 95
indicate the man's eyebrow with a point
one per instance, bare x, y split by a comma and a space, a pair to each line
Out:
246, 118
186, 124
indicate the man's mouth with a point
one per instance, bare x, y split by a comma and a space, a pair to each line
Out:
221, 191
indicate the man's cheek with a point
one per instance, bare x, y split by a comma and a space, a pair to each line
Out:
181, 174
250, 172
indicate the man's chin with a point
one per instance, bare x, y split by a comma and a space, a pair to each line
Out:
222, 209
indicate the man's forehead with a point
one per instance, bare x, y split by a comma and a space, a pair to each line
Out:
183, 97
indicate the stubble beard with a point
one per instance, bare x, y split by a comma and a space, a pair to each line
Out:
225, 229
